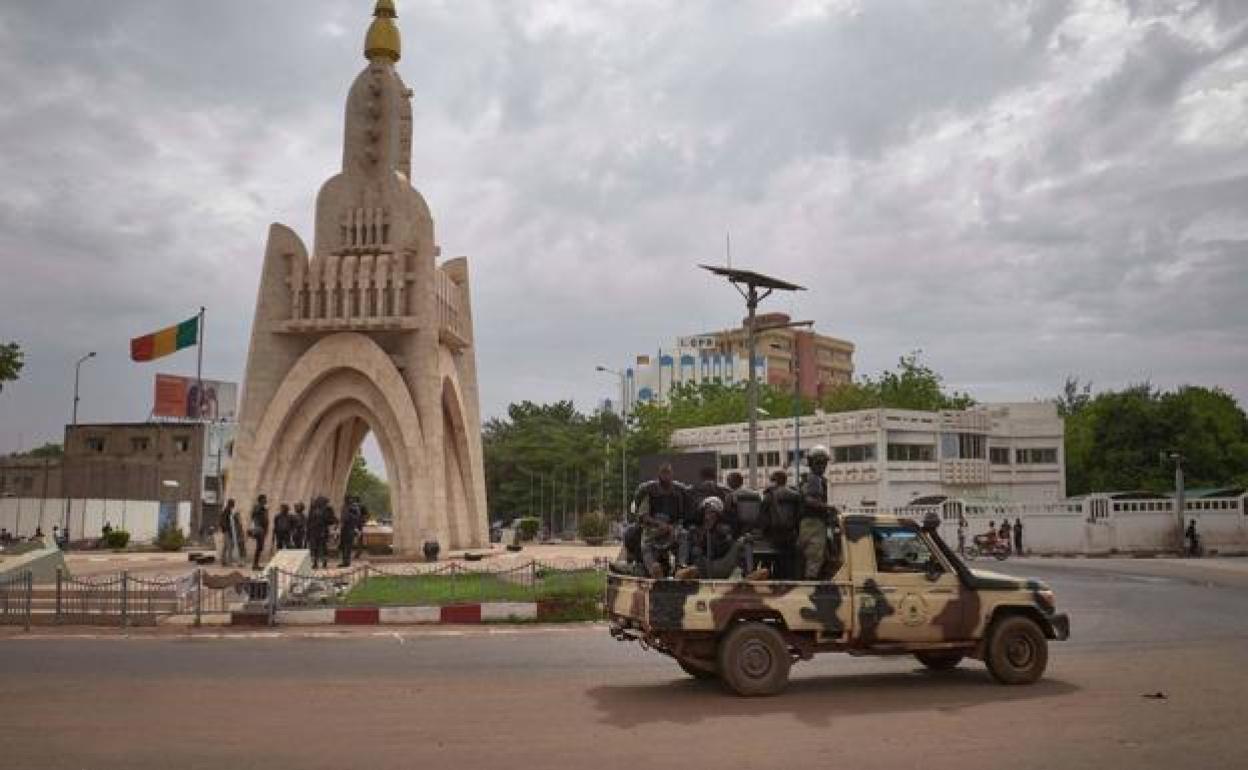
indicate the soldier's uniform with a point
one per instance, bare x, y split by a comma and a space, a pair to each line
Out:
812, 527
778, 522
661, 508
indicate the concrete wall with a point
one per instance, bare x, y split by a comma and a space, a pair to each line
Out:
21, 515
1057, 532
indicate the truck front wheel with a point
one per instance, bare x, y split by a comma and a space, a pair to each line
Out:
1017, 651
754, 660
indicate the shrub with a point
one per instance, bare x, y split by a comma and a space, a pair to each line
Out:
592, 526
527, 526
170, 539
118, 538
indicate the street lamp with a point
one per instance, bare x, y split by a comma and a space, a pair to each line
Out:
623, 446
752, 282
1180, 496
77, 373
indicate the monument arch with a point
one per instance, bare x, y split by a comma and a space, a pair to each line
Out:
369, 333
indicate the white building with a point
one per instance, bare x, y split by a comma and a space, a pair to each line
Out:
889, 458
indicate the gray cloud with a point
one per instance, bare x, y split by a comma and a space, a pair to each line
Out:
1022, 189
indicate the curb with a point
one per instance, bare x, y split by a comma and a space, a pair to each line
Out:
452, 614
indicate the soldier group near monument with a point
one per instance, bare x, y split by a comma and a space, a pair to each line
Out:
315, 530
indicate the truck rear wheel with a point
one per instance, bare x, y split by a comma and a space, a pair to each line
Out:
698, 669
939, 660
1017, 651
754, 660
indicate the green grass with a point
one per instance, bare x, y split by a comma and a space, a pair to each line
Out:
437, 590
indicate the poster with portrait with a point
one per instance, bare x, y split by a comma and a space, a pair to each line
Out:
186, 398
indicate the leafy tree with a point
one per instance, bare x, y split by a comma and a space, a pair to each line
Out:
912, 385
11, 362
373, 491
49, 450
1117, 440
1073, 398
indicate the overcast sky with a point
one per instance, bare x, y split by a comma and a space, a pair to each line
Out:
1024, 190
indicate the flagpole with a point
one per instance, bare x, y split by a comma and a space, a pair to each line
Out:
199, 366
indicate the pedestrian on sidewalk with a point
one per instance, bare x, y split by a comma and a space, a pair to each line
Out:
1193, 539
259, 528
1018, 536
225, 523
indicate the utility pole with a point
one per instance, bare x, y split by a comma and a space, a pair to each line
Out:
748, 283
623, 442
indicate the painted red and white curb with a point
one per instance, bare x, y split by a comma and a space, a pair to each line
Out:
458, 614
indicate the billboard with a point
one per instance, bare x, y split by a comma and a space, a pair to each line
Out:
181, 398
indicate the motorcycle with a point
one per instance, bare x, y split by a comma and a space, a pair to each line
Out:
982, 545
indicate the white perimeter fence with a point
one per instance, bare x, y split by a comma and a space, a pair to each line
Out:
21, 515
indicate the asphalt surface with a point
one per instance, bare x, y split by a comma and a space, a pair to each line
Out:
521, 697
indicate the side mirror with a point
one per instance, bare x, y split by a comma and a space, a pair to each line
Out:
934, 570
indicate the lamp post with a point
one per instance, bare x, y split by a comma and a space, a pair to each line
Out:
77, 375
623, 446
1180, 496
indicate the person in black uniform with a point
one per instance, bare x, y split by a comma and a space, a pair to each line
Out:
349, 528
777, 525
708, 487
299, 534
283, 524
320, 520
259, 528
661, 506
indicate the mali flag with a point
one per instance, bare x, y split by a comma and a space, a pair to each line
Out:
165, 341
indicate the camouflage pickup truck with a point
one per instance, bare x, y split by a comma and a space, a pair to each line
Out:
897, 589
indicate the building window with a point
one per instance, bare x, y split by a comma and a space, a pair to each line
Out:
95, 443
728, 462
912, 453
769, 459
181, 443
999, 455
858, 453
963, 446
140, 444
1036, 456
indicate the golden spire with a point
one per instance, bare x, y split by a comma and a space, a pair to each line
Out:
383, 35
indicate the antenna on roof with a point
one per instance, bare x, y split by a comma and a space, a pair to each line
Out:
728, 246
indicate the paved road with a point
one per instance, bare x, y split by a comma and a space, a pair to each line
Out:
571, 697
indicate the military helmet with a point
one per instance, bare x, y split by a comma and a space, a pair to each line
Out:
713, 504
818, 452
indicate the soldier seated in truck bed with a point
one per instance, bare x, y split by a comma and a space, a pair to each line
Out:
898, 589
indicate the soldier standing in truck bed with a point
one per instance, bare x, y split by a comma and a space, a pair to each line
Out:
814, 516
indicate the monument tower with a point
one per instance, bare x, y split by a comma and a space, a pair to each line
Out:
370, 333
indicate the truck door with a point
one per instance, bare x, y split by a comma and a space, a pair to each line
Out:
912, 595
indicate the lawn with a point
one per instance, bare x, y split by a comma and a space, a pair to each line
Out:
430, 590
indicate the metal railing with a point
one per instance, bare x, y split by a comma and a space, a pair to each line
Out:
123, 599
15, 599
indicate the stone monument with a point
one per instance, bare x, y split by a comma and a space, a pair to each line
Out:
370, 333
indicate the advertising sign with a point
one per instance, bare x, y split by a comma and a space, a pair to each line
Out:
182, 398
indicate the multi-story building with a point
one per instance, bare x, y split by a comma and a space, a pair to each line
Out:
155, 461
889, 458
815, 360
